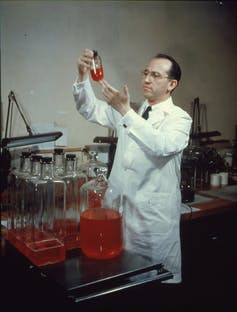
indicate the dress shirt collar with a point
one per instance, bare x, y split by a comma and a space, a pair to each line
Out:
164, 106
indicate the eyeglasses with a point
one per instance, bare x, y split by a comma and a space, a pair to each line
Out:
153, 74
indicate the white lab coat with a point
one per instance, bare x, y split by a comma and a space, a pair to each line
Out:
146, 170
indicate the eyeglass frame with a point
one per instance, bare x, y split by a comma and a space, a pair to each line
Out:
153, 74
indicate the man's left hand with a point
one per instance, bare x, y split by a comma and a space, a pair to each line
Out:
119, 100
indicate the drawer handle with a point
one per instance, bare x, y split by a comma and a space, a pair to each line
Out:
215, 237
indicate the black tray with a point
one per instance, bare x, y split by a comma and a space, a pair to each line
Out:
79, 278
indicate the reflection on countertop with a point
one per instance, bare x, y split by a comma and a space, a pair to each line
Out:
210, 202
228, 192
189, 208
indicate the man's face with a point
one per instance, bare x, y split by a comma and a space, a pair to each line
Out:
156, 85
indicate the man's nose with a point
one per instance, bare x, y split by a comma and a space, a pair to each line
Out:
148, 78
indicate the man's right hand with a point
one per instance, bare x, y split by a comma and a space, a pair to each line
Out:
84, 64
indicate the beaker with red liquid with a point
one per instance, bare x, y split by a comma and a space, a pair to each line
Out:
97, 72
101, 224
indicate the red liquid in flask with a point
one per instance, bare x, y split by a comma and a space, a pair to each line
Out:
43, 250
72, 236
101, 233
97, 74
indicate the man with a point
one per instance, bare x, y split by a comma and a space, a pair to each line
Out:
146, 168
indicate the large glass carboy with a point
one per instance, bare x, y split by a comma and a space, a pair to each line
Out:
101, 231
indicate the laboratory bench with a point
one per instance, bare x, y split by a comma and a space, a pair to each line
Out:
208, 241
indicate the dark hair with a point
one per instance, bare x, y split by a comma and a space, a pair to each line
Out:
175, 70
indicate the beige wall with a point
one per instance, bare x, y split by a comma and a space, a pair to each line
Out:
40, 42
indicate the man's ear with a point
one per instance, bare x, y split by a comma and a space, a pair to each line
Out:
172, 85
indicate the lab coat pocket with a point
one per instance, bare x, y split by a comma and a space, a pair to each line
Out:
148, 244
155, 210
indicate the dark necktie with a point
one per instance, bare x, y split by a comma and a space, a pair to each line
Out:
145, 115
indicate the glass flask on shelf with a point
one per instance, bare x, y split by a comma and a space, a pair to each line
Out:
58, 161
73, 182
18, 209
46, 229
101, 229
28, 199
36, 166
90, 167
97, 72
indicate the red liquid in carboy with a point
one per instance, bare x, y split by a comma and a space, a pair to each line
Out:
98, 74
101, 233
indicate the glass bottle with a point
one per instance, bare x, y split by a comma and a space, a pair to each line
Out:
58, 160
97, 72
73, 182
18, 209
44, 240
35, 166
34, 178
13, 214
101, 232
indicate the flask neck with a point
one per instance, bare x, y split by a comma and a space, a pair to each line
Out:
92, 156
59, 164
26, 166
36, 169
70, 167
101, 178
47, 171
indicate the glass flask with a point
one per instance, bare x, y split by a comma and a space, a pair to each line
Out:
58, 161
46, 229
97, 72
28, 199
35, 166
101, 231
73, 182
18, 213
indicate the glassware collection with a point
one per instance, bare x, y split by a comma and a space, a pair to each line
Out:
56, 205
